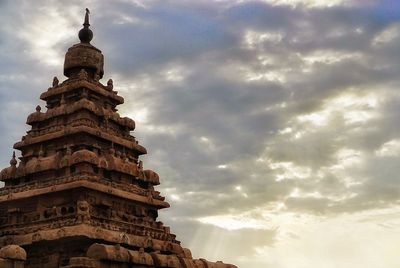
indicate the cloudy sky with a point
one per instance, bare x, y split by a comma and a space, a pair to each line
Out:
274, 125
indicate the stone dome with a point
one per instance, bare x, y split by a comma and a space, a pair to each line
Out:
84, 56
84, 155
7, 173
13, 252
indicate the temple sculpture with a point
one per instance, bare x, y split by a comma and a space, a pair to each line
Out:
78, 195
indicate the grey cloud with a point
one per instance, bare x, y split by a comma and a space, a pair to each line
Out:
206, 105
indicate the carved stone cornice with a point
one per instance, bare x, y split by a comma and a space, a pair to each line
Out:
39, 184
93, 232
73, 84
70, 130
77, 106
84, 183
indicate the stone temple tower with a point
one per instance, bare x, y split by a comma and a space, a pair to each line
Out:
79, 196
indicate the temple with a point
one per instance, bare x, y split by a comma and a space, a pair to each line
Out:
79, 196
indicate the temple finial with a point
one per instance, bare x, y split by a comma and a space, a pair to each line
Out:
85, 34
86, 22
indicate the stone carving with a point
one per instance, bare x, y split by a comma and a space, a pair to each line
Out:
61, 232
83, 74
55, 81
124, 238
62, 101
36, 237
110, 85
83, 213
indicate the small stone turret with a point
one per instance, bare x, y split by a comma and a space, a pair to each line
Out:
12, 256
9, 172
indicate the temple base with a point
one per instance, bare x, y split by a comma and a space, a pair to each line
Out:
103, 256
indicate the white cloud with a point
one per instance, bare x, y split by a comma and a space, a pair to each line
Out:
353, 108
46, 29
389, 149
329, 56
255, 39
289, 170
386, 36
310, 3
337, 241
231, 222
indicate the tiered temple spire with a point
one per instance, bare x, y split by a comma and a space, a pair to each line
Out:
79, 196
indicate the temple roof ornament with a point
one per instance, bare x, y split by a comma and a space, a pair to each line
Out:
55, 81
84, 55
85, 34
